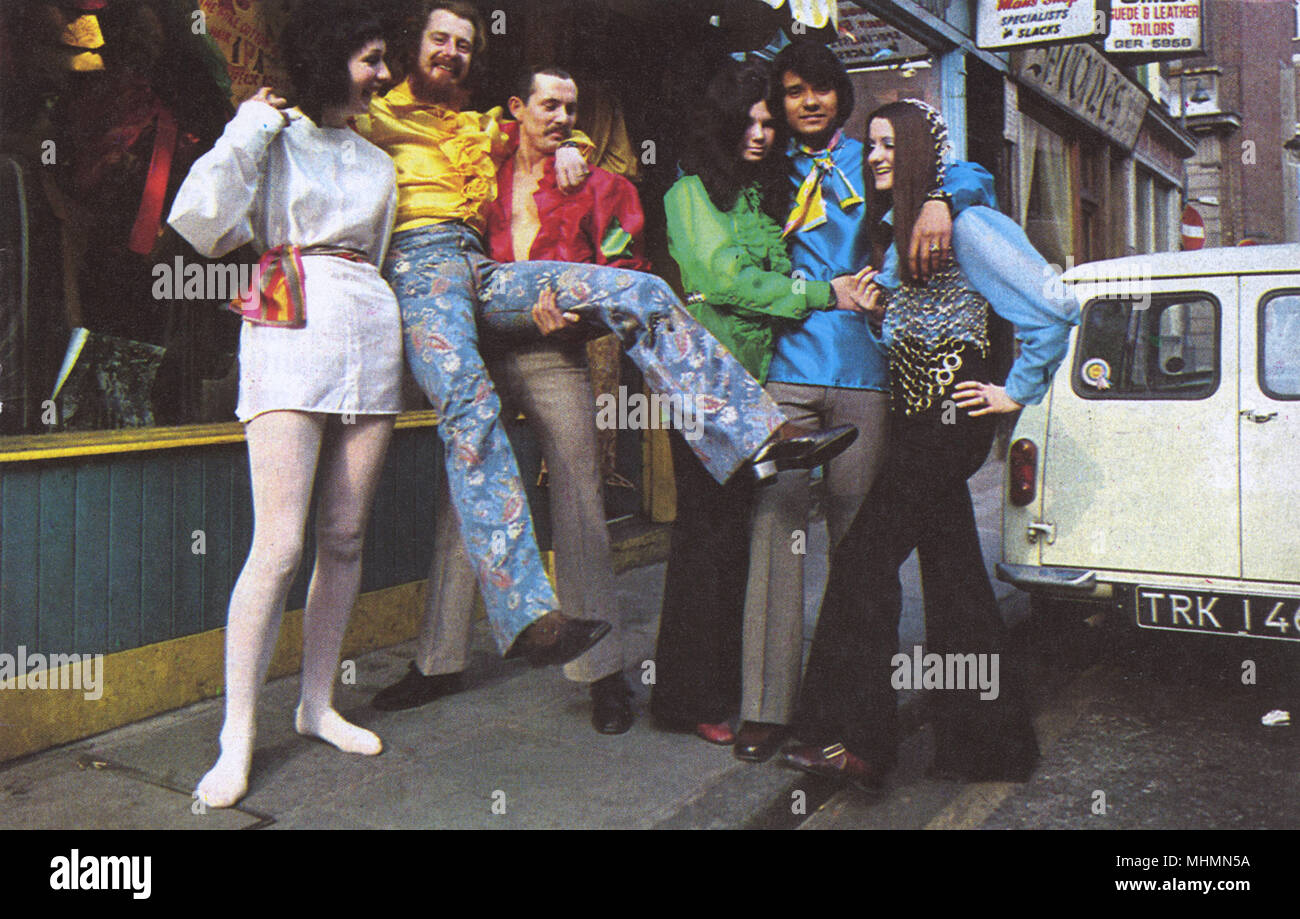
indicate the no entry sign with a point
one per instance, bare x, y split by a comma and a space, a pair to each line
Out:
1193, 228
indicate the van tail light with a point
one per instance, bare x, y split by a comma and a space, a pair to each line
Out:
1024, 469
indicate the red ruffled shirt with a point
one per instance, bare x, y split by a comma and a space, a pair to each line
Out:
601, 223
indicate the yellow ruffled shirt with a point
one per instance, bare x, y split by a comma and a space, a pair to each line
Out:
444, 158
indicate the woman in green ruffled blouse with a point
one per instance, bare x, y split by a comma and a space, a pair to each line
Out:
737, 275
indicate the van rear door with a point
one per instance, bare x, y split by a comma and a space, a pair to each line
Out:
1270, 427
1140, 469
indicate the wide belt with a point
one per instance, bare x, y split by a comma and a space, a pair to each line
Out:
277, 294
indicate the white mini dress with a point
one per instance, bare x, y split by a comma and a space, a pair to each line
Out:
274, 184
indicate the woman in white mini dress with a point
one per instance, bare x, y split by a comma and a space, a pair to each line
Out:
320, 357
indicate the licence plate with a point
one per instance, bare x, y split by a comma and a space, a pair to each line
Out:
1244, 615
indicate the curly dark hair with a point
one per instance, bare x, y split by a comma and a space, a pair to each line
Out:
318, 41
718, 127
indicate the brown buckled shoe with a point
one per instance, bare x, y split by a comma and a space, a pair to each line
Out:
837, 763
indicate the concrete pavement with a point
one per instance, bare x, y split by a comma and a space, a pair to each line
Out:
514, 750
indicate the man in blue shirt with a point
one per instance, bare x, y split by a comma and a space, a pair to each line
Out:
831, 368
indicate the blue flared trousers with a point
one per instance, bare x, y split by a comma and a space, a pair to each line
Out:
447, 289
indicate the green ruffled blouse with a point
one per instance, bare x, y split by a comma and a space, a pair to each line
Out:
738, 265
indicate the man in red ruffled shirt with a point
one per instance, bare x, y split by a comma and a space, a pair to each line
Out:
600, 223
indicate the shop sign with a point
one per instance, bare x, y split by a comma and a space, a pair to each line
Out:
1151, 27
243, 33
1033, 23
1081, 80
868, 39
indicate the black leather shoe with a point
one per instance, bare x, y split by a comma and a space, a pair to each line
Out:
611, 705
557, 639
415, 689
757, 740
801, 451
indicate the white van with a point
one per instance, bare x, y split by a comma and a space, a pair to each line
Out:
1162, 472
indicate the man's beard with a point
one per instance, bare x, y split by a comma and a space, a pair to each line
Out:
423, 87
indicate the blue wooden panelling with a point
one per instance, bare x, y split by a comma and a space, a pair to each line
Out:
217, 538
57, 594
241, 510
90, 607
157, 548
187, 568
96, 552
19, 557
125, 541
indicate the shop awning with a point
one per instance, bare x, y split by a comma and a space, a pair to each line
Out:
813, 13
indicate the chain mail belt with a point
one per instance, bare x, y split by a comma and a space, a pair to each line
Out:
928, 328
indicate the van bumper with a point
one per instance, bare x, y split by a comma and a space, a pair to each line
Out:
1076, 582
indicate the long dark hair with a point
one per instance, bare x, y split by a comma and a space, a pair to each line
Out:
718, 126
318, 41
916, 174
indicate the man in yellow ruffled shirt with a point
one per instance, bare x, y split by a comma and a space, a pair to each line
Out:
446, 163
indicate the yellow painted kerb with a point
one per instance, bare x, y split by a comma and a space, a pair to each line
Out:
156, 678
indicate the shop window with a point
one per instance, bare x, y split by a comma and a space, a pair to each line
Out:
1121, 175
1091, 172
1136, 349
105, 325
1046, 200
1142, 205
1279, 350
1161, 221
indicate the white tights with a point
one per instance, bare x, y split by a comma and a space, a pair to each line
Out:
283, 449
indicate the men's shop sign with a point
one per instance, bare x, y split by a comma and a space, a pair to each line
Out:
1081, 80
1019, 23
1146, 27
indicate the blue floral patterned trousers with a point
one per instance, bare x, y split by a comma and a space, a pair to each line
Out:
447, 288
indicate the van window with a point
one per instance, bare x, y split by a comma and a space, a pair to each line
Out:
1162, 348
1279, 352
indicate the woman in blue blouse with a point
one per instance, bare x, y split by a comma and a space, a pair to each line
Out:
947, 395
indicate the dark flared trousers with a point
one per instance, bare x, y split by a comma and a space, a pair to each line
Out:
920, 502
697, 660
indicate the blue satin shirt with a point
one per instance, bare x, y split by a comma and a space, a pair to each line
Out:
837, 347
